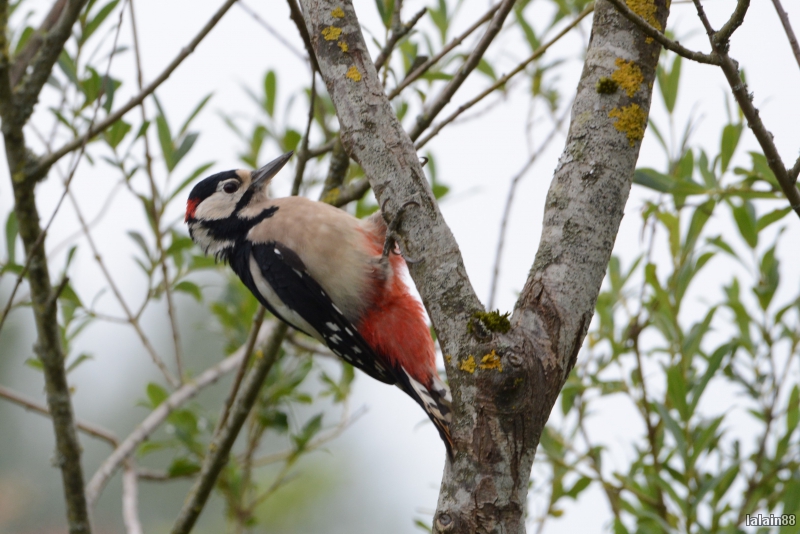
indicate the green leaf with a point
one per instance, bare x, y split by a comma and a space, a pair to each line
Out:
186, 146
270, 92
156, 394
772, 217
182, 467
309, 430
578, 487
79, 360
12, 230
730, 139
291, 139
699, 218
439, 16
714, 363
485, 68
668, 83
194, 113
35, 363
116, 133
793, 410
139, 240
653, 179
745, 217
190, 288
769, 280
95, 23
165, 139
677, 391
420, 524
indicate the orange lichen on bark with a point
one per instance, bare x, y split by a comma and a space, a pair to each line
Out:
353, 74
343, 46
647, 10
491, 361
631, 121
628, 75
331, 33
468, 365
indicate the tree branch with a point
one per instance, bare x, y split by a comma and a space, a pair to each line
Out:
85, 427
23, 58
503, 80
218, 451
433, 108
737, 17
664, 41
787, 27
150, 423
730, 68
44, 164
395, 36
373, 137
422, 69
53, 43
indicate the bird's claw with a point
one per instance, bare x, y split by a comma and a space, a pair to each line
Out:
391, 245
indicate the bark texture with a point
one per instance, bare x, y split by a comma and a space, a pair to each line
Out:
504, 384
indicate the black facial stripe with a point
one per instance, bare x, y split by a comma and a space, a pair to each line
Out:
234, 228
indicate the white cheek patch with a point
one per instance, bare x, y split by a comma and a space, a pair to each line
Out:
217, 206
291, 317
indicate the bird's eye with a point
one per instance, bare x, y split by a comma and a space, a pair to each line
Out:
230, 187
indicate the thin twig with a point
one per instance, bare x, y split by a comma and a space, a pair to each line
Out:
132, 319
724, 34
237, 381
503, 79
272, 31
218, 451
512, 188
745, 100
85, 427
302, 154
47, 161
130, 499
297, 17
659, 37
433, 108
23, 58
422, 69
322, 149
787, 27
156, 210
395, 37
150, 423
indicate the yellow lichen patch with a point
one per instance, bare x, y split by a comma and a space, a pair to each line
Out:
331, 33
491, 361
337, 13
647, 10
343, 46
468, 365
353, 74
631, 121
447, 358
628, 75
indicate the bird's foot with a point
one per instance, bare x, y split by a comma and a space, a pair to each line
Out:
391, 245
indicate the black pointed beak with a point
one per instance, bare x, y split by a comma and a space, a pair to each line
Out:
263, 175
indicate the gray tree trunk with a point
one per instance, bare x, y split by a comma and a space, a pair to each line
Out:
504, 384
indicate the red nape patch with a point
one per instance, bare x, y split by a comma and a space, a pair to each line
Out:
191, 206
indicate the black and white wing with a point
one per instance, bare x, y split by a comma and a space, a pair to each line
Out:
276, 275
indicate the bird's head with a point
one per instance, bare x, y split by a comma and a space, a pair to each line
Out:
217, 206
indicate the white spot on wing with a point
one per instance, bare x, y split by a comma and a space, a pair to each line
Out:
335, 327
335, 338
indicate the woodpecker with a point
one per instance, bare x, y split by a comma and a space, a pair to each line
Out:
325, 273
